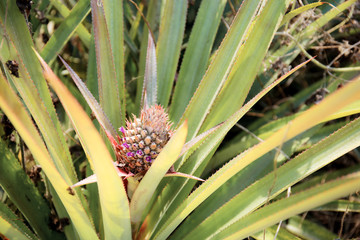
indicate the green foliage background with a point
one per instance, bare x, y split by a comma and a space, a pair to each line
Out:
274, 136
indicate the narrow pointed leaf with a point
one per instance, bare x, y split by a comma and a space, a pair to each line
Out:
152, 16
197, 164
171, 34
197, 141
149, 93
66, 29
93, 104
197, 53
158, 169
11, 227
321, 154
319, 179
298, 11
248, 62
340, 206
179, 174
88, 180
219, 68
114, 203
350, 109
308, 229
293, 205
274, 233
107, 79
34, 91
311, 117
91, 73
19, 117
83, 33
25, 194
36, 96
93, 178
114, 15
11, 232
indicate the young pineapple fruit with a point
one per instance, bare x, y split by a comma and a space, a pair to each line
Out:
143, 139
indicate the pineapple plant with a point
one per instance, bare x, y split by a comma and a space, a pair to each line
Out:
148, 145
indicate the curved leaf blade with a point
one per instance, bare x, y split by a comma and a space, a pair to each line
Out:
152, 16
309, 118
171, 33
19, 117
83, 33
154, 175
340, 206
219, 68
24, 194
321, 154
33, 89
149, 93
114, 14
11, 227
196, 56
170, 198
308, 229
93, 104
298, 11
107, 78
295, 204
114, 203
248, 61
197, 163
66, 29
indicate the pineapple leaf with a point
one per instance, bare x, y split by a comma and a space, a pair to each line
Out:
81, 30
196, 56
107, 75
179, 174
149, 92
279, 180
34, 91
24, 194
159, 168
93, 178
94, 105
66, 29
298, 11
348, 110
295, 204
340, 206
196, 163
171, 34
219, 68
100, 158
19, 117
11, 227
308, 229
114, 15
274, 232
152, 17
248, 61
197, 141
309, 118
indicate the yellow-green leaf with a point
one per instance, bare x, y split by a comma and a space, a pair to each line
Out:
19, 117
113, 198
157, 171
